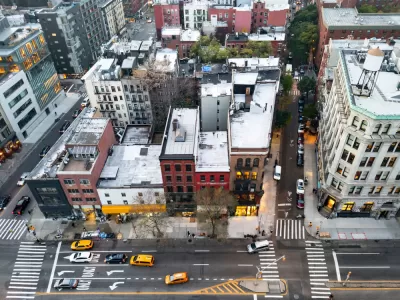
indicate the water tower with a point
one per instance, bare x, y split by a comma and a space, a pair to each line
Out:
367, 81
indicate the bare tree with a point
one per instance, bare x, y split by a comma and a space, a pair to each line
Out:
213, 205
155, 220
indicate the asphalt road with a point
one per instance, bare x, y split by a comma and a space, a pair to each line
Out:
141, 30
10, 186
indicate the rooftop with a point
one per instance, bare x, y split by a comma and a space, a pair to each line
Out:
254, 62
276, 7
384, 102
277, 36
190, 35
213, 152
167, 31
252, 129
349, 17
215, 90
103, 69
245, 78
137, 135
88, 131
168, 58
49, 165
181, 132
132, 165
61, 8
12, 37
213, 73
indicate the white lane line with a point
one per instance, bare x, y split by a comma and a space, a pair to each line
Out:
32, 246
269, 267
317, 283
292, 222
200, 264
23, 287
316, 279
313, 249
12, 292
342, 253
22, 280
86, 278
30, 243
16, 276
201, 250
270, 272
315, 259
31, 256
316, 255
149, 251
273, 296
91, 265
366, 267
320, 297
322, 289
311, 275
244, 265
94, 251
54, 267
21, 297
267, 259
255, 297
313, 242
267, 263
270, 276
316, 263
321, 293
22, 270
304, 232
317, 268
26, 273
30, 252
30, 259
336, 266
271, 279
241, 251
316, 271
16, 231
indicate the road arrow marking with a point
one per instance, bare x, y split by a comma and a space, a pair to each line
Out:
114, 286
62, 272
289, 193
114, 271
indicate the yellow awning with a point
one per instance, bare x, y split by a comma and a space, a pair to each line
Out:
139, 208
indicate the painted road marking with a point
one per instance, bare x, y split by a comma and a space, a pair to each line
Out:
244, 265
365, 267
200, 264
54, 267
201, 250
342, 253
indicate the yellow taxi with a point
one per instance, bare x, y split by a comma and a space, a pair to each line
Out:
176, 278
82, 245
143, 260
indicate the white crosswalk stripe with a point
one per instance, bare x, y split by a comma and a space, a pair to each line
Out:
26, 272
318, 271
290, 229
268, 266
12, 229
294, 92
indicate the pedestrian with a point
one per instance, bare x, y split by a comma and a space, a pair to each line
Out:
29, 211
310, 224
73, 224
188, 233
330, 296
84, 229
263, 233
193, 235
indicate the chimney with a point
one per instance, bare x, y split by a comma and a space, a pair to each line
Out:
175, 125
247, 100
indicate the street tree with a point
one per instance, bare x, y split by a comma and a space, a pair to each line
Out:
306, 85
367, 9
213, 206
287, 84
155, 219
284, 101
282, 118
310, 111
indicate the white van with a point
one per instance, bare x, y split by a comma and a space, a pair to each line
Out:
258, 246
277, 172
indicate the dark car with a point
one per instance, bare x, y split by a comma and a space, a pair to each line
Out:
44, 151
4, 201
116, 258
65, 126
21, 205
300, 201
301, 100
66, 283
76, 113
300, 160
301, 108
301, 119
300, 139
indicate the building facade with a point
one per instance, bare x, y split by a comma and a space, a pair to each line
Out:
195, 13
67, 42
358, 144
113, 18
181, 40
166, 13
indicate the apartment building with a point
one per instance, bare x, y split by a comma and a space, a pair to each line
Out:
359, 138
29, 85
166, 13
269, 13
195, 13
68, 44
113, 18
181, 40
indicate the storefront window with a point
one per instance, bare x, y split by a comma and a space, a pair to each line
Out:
14, 69
348, 206
246, 175
254, 176
239, 175
242, 211
28, 64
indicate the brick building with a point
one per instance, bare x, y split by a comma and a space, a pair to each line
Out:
212, 165
223, 14
181, 40
347, 22
268, 13
166, 13
357, 3
132, 7
177, 160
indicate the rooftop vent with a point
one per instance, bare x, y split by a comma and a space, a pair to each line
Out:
144, 151
175, 124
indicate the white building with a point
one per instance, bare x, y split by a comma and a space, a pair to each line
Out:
113, 17
195, 13
359, 142
215, 101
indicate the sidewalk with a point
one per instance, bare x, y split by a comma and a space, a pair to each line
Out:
339, 228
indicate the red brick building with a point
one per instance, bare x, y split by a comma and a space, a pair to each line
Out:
264, 15
177, 160
131, 7
166, 14
223, 14
357, 3
348, 23
177, 39
212, 165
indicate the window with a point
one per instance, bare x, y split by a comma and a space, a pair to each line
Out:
87, 191
256, 162
351, 158
397, 191
350, 140
378, 190
109, 202
248, 162
377, 128
179, 189
334, 182
378, 175
188, 168
339, 169
221, 178
357, 175
356, 122
377, 146
348, 206
398, 176
364, 175
18, 98
369, 147
386, 129
203, 178
371, 190
239, 175
106, 195
345, 154
91, 199
178, 168
253, 175
385, 175
212, 178
384, 161
73, 191
167, 168
170, 189
392, 146
169, 178
363, 161
358, 190
76, 199
370, 161
345, 172
356, 144
392, 161
367, 206
239, 162
391, 190
84, 181
189, 189
69, 181
398, 148
12, 89
363, 126
125, 202
178, 178
340, 186
351, 190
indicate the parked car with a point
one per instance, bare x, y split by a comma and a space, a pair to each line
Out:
301, 108
301, 100
21, 180
300, 150
300, 139
301, 128
176, 278
301, 119
44, 151
149, 20
300, 160
21, 205
65, 126
81, 257
300, 186
66, 283
300, 201
85, 102
116, 258
76, 113
4, 200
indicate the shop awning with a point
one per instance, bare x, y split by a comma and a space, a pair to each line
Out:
126, 209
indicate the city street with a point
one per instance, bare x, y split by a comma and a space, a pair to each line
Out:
141, 30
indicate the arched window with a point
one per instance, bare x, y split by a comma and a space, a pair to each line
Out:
386, 129
377, 128
364, 125
239, 162
248, 162
256, 162
356, 122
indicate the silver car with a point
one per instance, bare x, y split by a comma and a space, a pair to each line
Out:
66, 283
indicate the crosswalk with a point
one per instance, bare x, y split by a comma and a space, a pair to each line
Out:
84, 95
25, 276
318, 271
290, 229
12, 229
294, 93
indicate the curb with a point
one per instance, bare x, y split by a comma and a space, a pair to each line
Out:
364, 284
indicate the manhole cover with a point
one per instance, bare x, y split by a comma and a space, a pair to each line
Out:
295, 296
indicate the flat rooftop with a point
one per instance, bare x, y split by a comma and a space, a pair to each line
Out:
215, 90
190, 35
88, 131
384, 102
137, 135
13, 37
168, 59
171, 31
277, 36
213, 152
348, 18
246, 78
182, 139
132, 165
272, 62
252, 129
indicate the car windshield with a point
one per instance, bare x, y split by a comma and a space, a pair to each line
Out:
253, 246
20, 202
171, 277
135, 258
76, 255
